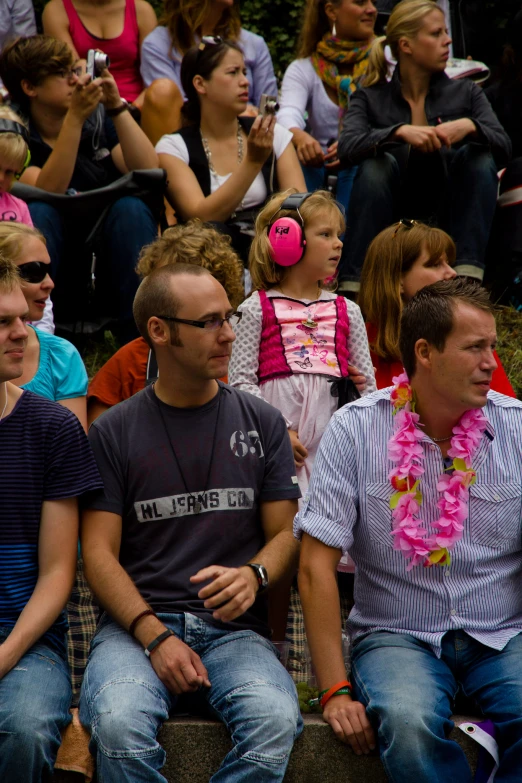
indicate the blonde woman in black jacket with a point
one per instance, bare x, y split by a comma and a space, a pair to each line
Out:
427, 146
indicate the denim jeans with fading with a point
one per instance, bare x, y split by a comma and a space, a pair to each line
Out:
124, 703
466, 209
409, 692
35, 697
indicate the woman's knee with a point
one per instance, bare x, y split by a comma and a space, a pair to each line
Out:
162, 95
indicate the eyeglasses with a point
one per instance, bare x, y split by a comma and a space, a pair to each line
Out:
212, 325
407, 223
70, 72
34, 271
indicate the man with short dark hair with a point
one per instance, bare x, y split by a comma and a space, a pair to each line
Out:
194, 525
45, 465
422, 485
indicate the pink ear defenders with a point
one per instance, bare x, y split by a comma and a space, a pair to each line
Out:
286, 235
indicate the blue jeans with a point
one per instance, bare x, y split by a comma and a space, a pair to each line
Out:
129, 226
315, 178
466, 210
35, 697
124, 703
408, 693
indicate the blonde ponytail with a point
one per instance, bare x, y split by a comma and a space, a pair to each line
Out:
377, 65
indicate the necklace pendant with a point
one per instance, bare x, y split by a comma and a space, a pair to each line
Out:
310, 323
197, 507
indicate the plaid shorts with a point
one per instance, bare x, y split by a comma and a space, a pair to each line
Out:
299, 660
82, 616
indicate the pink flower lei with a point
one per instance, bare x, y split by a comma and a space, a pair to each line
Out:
405, 450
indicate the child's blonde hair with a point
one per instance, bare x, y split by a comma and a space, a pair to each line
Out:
264, 272
201, 245
13, 147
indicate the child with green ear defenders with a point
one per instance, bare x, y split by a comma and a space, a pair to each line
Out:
14, 159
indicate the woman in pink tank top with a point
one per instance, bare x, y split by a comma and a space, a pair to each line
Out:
118, 28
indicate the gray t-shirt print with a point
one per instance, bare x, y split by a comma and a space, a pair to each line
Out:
164, 540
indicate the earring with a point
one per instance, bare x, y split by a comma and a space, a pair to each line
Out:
334, 31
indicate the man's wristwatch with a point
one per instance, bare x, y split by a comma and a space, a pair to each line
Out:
124, 106
261, 575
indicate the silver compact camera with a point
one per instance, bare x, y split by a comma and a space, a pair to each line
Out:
96, 63
268, 105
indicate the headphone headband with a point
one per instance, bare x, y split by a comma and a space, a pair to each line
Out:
10, 126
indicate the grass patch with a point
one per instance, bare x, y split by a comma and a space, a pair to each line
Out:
97, 350
509, 347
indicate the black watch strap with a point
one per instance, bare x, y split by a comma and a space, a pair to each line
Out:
157, 641
261, 574
124, 106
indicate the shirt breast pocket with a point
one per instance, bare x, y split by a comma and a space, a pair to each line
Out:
495, 514
378, 513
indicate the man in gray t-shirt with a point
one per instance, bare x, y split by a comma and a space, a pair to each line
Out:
193, 526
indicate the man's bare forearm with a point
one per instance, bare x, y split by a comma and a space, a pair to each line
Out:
279, 556
322, 613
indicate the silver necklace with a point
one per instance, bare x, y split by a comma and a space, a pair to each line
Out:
441, 440
208, 153
5, 404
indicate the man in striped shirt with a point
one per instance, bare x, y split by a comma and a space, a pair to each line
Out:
45, 464
419, 636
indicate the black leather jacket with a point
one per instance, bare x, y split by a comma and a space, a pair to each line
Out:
376, 112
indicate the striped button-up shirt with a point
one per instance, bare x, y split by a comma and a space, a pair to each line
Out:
347, 507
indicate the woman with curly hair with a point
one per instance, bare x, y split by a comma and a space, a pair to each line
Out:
132, 367
184, 23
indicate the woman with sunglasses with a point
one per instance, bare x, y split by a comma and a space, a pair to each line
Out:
221, 166
402, 259
53, 367
426, 145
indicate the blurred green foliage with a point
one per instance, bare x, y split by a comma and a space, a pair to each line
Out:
278, 22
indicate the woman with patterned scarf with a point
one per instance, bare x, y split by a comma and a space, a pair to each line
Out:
336, 37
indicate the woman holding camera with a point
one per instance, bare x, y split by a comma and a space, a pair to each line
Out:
118, 28
222, 167
335, 41
70, 151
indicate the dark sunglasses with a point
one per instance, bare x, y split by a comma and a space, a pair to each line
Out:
34, 271
407, 223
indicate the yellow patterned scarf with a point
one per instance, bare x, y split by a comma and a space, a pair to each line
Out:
332, 52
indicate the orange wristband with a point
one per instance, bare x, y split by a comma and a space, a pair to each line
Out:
333, 690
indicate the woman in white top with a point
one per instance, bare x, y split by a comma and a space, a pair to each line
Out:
333, 55
221, 168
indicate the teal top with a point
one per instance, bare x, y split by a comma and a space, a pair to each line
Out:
61, 374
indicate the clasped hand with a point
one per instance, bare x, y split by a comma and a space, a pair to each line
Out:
260, 141
430, 139
350, 723
87, 94
232, 591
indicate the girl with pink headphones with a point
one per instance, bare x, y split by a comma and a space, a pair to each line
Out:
298, 343
297, 340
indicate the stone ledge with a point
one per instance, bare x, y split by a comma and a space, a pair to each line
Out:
196, 747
